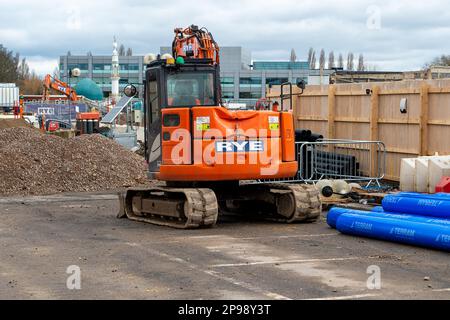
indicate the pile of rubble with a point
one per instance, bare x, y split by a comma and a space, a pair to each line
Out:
13, 123
33, 163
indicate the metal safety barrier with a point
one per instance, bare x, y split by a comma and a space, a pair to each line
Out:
350, 160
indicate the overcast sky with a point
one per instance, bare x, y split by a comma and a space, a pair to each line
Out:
392, 35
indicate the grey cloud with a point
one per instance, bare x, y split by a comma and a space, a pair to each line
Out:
412, 32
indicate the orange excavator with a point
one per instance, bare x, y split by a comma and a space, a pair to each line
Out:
59, 86
208, 156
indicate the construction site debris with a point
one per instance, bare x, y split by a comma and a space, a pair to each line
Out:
35, 163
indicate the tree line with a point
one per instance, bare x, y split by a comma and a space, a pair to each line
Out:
122, 51
14, 69
333, 62
443, 60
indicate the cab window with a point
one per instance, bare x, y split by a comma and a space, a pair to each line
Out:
152, 94
190, 89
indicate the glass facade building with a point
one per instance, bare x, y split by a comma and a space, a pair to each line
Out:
280, 65
246, 81
98, 68
242, 79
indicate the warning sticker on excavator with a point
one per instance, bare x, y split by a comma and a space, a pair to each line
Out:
203, 123
274, 123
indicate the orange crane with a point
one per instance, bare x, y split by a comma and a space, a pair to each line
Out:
59, 86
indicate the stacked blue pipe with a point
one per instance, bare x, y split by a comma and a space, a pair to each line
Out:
411, 218
436, 205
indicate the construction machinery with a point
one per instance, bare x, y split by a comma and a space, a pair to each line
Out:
59, 86
205, 153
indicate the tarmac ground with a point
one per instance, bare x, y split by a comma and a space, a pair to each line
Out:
49, 244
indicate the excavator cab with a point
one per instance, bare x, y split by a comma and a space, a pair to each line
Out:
171, 91
191, 137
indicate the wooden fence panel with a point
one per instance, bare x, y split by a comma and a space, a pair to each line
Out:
371, 111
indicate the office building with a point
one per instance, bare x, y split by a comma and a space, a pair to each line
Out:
243, 80
98, 68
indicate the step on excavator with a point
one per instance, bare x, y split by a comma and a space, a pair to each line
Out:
208, 156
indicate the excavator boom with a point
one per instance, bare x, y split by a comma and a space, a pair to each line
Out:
192, 42
58, 86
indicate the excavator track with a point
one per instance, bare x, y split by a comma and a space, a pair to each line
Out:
308, 206
181, 208
191, 208
279, 202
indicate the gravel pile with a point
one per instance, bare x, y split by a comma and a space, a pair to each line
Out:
33, 163
13, 123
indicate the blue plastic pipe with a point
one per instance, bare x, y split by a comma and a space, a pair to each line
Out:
336, 212
404, 230
423, 195
418, 204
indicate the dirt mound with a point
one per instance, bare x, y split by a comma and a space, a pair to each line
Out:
35, 163
13, 123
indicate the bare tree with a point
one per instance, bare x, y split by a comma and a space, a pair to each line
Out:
313, 61
322, 60
23, 70
56, 73
331, 63
121, 50
310, 55
361, 66
371, 67
443, 60
31, 85
350, 61
293, 56
341, 61
129, 52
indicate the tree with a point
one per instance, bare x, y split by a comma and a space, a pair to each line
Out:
56, 73
9, 65
313, 61
361, 66
23, 70
341, 61
14, 70
350, 61
310, 54
129, 52
331, 63
121, 50
322, 60
293, 56
443, 60
31, 85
